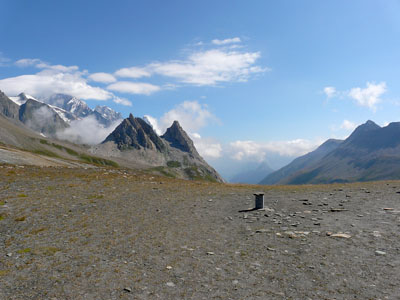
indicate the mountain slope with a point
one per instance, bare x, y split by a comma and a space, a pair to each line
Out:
41, 118
8, 108
301, 162
369, 153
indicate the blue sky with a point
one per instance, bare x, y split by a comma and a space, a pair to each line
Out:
249, 80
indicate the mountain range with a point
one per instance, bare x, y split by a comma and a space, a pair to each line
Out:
370, 153
133, 143
252, 175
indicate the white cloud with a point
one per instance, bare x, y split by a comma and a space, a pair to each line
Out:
192, 116
37, 63
87, 130
44, 84
330, 91
133, 72
133, 87
4, 60
348, 125
207, 147
122, 101
248, 149
226, 41
369, 96
211, 67
251, 150
153, 123
102, 77
26, 62
52, 79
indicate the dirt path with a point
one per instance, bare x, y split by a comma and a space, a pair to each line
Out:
115, 234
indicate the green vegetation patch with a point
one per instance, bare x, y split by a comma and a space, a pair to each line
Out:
194, 173
174, 164
164, 171
98, 160
26, 250
46, 153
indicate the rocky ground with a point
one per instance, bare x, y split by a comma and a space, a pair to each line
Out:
74, 233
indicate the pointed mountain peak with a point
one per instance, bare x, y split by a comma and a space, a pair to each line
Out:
23, 96
363, 128
135, 133
370, 124
178, 138
176, 124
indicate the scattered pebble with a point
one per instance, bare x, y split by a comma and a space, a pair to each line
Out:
376, 234
341, 235
380, 253
127, 289
210, 253
170, 284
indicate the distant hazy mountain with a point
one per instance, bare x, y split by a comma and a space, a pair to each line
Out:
301, 162
105, 115
253, 176
369, 153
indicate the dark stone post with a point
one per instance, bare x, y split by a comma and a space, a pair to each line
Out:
259, 200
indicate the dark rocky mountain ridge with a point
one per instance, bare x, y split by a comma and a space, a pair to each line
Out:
173, 153
135, 133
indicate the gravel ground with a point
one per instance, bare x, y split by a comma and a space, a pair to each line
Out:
70, 233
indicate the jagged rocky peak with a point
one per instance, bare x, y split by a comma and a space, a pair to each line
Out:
106, 115
70, 104
135, 133
178, 138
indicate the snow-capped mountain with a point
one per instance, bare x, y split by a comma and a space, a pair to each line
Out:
103, 114
65, 115
22, 98
108, 113
71, 104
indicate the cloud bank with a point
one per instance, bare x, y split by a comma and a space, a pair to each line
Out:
87, 131
370, 96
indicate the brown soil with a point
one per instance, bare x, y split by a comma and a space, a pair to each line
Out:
74, 233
